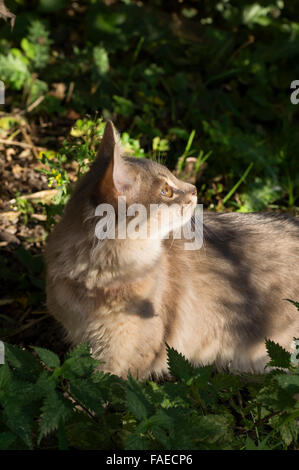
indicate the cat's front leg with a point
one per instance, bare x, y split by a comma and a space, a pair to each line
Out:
130, 343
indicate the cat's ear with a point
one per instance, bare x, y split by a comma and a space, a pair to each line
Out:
109, 141
122, 177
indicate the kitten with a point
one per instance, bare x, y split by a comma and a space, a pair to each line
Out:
128, 297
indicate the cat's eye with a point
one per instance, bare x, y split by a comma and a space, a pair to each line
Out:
166, 191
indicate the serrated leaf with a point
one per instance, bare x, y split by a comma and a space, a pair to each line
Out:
81, 350
87, 394
48, 357
20, 392
79, 363
20, 406
111, 389
22, 362
279, 357
137, 401
178, 365
14, 70
45, 383
20, 422
55, 410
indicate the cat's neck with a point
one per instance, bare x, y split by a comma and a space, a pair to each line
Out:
116, 262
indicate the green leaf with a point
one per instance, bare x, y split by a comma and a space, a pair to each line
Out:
6, 440
214, 429
14, 70
62, 438
138, 440
279, 357
256, 13
21, 392
87, 393
169, 394
289, 382
48, 357
101, 60
79, 363
38, 37
275, 398
138, 403
84, 433
25, 365
5, 379
55, 410
111, 387
250, 444
46, 382
123, 106
289, 432
20, 421
51, 6
28, 48
178, 365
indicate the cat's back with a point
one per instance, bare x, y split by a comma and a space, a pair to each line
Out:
237, 236
234, 287
256, 239
248, 263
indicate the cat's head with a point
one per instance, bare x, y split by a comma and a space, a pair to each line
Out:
140, 181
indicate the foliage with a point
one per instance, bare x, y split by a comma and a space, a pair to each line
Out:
48, 404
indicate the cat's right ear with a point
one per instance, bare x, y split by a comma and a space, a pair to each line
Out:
109, 142
118, 178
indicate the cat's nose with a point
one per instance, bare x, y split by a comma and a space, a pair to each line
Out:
194, 192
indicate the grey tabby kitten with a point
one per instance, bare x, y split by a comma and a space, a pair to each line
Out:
127, 298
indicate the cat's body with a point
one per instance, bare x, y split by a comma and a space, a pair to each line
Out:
127, 298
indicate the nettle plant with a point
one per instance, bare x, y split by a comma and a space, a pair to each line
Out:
46, 403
